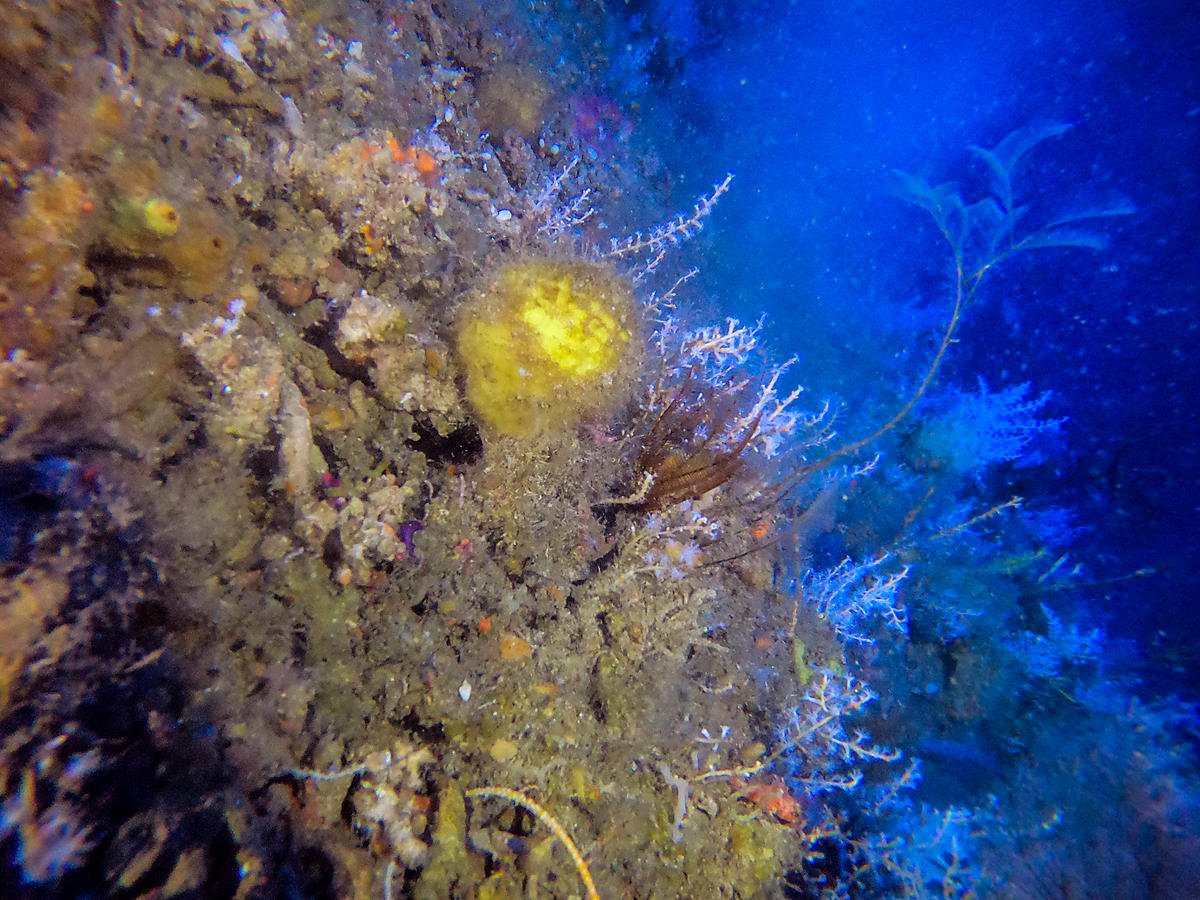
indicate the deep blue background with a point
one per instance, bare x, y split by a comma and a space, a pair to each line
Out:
814, 105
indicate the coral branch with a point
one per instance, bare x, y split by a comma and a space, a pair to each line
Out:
528, 803
669, 234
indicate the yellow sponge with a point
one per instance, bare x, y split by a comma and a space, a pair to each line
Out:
547, 344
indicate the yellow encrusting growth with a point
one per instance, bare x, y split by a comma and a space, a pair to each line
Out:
150, 219
160, 217
580, 336
547, 344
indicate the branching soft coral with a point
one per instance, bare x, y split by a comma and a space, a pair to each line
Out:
695, 445
981, 235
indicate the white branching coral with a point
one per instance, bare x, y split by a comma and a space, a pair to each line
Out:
1063, 646
814, 750
654, 245
724, 359
558, 215
852, 594
560, 218
721, 350
818, 751
935, 855
981, 428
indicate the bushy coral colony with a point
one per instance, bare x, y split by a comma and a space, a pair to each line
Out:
379, 517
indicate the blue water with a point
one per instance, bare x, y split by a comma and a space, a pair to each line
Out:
814, 106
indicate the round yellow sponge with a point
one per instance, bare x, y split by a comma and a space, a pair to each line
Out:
548, 343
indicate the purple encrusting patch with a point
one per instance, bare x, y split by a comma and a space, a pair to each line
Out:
406, 532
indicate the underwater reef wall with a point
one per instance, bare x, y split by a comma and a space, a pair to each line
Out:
378, 521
